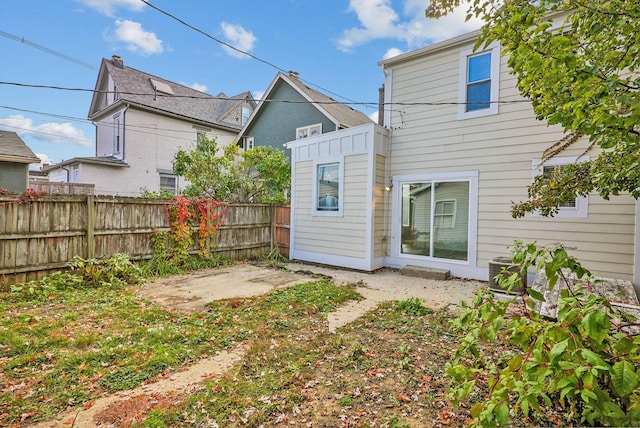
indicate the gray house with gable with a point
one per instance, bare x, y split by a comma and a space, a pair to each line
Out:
291, 110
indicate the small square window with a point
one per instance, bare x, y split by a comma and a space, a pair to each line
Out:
168, 183
444, 215
308, 131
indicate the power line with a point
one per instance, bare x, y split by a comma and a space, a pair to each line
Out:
204, 33
47, 50
150, 94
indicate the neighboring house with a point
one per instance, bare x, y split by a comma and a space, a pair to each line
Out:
141, 122
290, 110
15, 158
435, 188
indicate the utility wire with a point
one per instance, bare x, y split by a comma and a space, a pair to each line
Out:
150, 94
47, 50
204, 33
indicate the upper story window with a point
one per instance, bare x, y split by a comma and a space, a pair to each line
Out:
308, 131
577, 207
117, 140
479, 83
245, 114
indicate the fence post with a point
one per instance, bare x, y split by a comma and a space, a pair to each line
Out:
273, 227
91, 226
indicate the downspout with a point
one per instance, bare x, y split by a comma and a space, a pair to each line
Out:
387, 168
124, 130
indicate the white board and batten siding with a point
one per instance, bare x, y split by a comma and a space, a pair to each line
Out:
428, 137
344, 238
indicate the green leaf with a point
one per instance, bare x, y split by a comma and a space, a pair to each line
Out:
502, 413
624, 379
596, 325
558, 349
536, 294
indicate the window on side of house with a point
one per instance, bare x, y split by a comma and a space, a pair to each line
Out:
328, 188
444, 215
117, 140
168, 183
479, 83
245, 114
578, 207
308, 131
246, 143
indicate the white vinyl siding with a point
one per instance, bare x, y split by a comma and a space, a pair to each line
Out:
431, 138
380, 197
341, 236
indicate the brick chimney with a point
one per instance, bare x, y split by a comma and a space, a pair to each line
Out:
117, 61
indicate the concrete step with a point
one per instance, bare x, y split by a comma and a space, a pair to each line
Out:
425, 272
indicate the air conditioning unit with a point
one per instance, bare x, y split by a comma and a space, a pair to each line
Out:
495, 267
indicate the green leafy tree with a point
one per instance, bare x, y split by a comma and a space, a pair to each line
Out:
258, 175
582, 75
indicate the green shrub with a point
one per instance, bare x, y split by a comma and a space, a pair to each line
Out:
515, 363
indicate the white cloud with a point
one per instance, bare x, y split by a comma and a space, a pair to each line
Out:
138, 39
239, 38
52, 131
392, 52
374, 116
197, 86
108, 7
378, 20
257, 95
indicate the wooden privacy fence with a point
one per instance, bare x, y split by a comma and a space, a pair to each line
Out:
39, 237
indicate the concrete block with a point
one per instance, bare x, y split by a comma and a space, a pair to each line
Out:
425, 272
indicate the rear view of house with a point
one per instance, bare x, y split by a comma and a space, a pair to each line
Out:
437, 185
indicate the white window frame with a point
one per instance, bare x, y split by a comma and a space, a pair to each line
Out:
245, 117
581, 210
162, 175
494, 49
248, 143
308, 131
472, 177
117, 135
314, 191
442, 215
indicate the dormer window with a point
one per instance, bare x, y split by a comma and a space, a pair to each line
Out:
159, 86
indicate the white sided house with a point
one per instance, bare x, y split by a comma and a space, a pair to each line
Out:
434, 188
141, 122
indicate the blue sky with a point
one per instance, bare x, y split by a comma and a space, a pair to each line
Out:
334, 44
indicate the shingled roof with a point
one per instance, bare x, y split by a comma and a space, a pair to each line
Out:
13, 149
346, 116
164, 96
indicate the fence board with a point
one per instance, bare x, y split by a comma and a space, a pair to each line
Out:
40, 237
